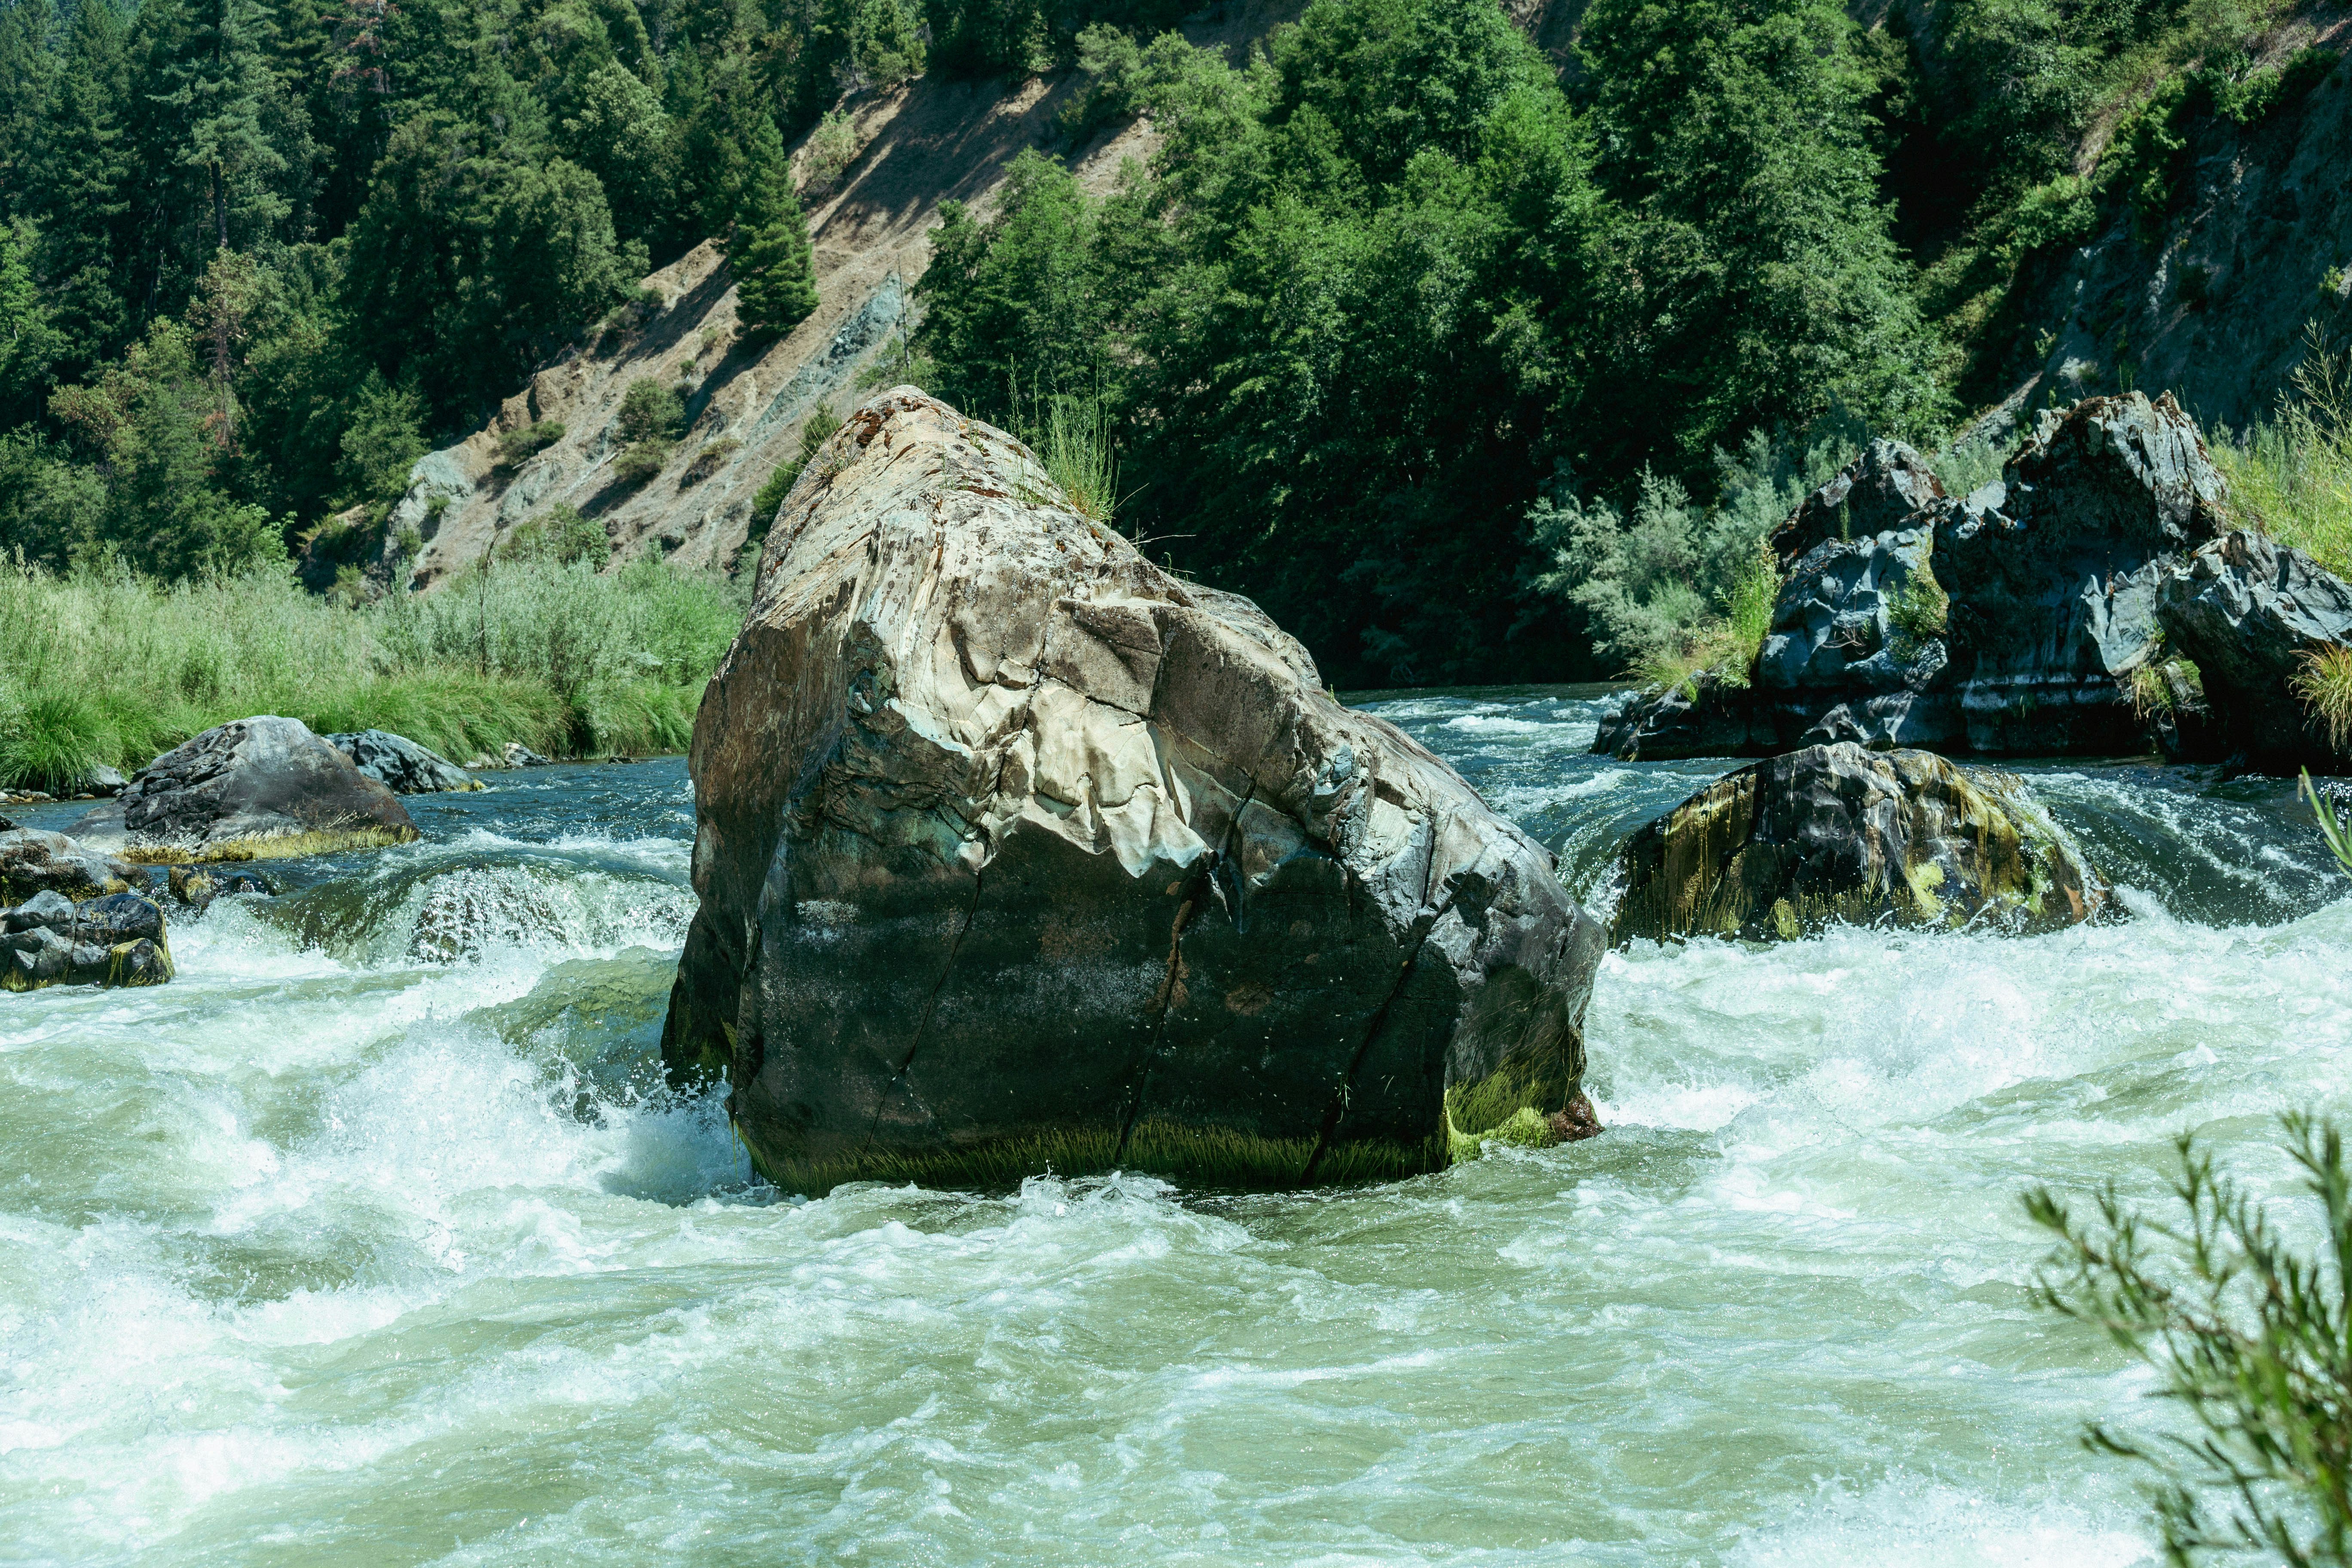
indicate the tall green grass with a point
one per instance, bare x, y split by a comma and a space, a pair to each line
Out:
2292, 476
110, 668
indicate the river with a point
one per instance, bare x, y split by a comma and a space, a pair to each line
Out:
374, 1239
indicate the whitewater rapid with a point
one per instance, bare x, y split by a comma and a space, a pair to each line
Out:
377, 1238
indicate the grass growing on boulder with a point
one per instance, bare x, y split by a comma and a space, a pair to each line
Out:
112, 668
2324, 684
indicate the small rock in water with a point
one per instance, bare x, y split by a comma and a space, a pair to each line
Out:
399, 763
117, 939
519, 755
1840, 832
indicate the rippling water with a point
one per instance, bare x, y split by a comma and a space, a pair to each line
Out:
374, 1239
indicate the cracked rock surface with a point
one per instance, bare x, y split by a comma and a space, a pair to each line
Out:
1015, 852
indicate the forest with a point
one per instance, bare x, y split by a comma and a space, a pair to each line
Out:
1468, 367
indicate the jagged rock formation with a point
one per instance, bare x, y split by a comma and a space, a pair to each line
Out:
1839, 832
2250, 614
1016, 851
2003, 624
259, 788
400, 765
117, 939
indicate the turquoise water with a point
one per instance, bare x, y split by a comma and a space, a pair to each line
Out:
376, 1239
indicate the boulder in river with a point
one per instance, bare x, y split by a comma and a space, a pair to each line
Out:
1839, 832
259, 788
2252, 616
32, 861
399, 763
117, 939
1015, 852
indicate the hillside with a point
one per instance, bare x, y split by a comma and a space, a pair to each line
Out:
927, 141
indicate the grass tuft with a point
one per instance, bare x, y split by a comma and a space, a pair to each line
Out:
2325, 686
2291, 478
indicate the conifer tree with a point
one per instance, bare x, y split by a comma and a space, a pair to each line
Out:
775, 274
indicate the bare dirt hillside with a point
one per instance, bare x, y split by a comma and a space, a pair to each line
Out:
921, 144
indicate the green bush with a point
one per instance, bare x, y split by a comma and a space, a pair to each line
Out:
2291, 476
640, 461
651, 412
517, 447
2249, 1330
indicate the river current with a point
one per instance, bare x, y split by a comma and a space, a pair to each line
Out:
374, 1238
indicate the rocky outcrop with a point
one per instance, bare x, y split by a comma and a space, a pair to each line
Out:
114, 940
1015, 852
2006, 624
1889, 483
1838, 833
399, 763
259, 788
2251, 614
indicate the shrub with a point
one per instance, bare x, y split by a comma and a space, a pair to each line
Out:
1076, 446
709, 462
640, 461
560, 534
651, 412
1920, 611
832, 147
2249, 1335
517, 447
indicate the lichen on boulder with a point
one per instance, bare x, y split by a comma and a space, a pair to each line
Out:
1838, 833
1015, 852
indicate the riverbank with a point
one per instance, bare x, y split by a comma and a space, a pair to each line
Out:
111, 670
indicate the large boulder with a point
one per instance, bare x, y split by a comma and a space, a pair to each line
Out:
400, 765
252, 789
1841, 833
1014, 852
2253, 615
114, 940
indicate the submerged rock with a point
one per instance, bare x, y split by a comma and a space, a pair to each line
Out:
256, 788
2251, 614
1840, 832
114, 940
1015, 852
399, 763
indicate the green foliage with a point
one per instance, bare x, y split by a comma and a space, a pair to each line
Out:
381, 442
1920, 611
54, 743
524, 442
560, 534
831, 148
2291, 476
776, 273
2324, 685
651, 412
1966, 466
114, 668
2248, 1327
2331, 825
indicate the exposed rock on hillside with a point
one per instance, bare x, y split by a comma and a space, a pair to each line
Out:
1839, 832
252, 789
2251, 615
2003, 624
1014, 851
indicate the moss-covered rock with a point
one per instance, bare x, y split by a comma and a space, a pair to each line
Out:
1838, 833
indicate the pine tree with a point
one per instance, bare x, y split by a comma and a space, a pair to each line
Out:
775, 275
